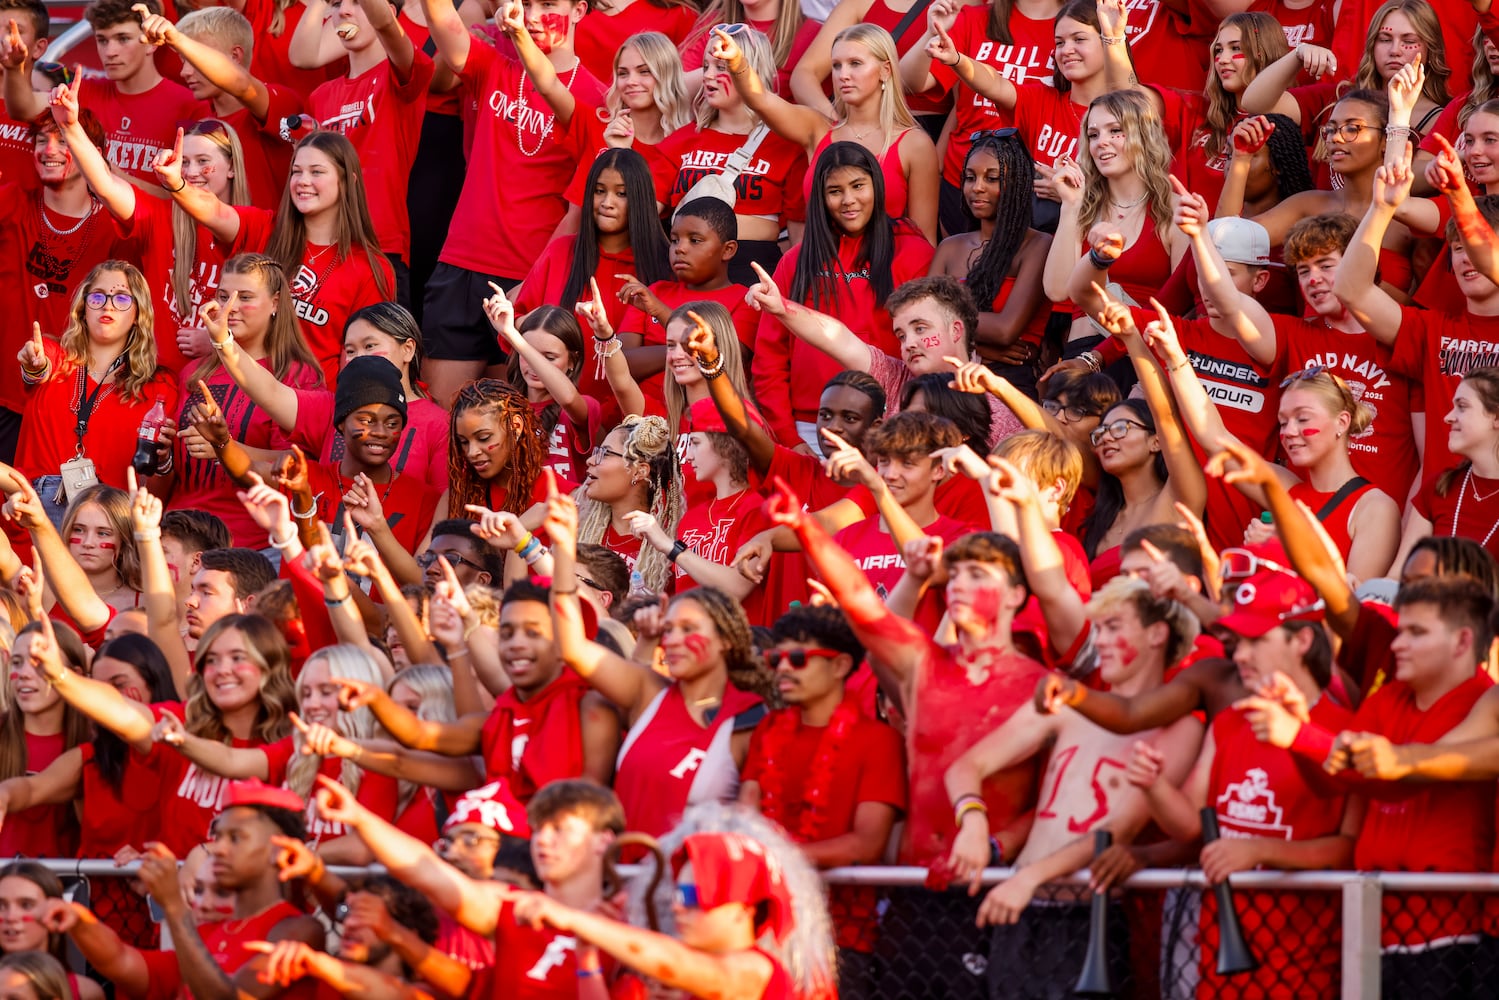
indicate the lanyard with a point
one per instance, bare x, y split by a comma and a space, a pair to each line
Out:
86, 401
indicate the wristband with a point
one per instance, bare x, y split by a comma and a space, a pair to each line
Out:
1100, 261
459, 654
149, 535
996, 853
677, 548
1111, 41
179, 188
712, 370
342, 600
589, 973
521, 545
532, 556
285, 543
966, 808
528, 553
304, 515
219, 345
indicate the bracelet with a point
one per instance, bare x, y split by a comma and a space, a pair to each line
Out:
460, 654
564, 593
179, 188
219, 345
1111, 41
712, 368
529, 552
1393, 130
967, 797
285, 543
524, 542
1093, 360
966, 808
604, 340
330, 602
589, 973
1183, 363
304, 515
1100, 261
677, 548
536, 555
149, 535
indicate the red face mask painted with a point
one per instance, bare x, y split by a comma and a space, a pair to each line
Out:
986, 603
697, 645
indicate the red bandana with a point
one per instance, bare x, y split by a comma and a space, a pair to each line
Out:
550, 724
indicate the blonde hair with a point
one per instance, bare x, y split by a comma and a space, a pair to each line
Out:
48, 978
184, 226
434, 686
895, 113
115, 505
140, 342
1335, 394
1485, 86
1149, 152
719, 320
1262, 41
665, 63
1429, 28
354, 663
1045, 457
265, 648
787, 23
648, 440
486, 603
222, 27
1125, 591
284, 344
756, 49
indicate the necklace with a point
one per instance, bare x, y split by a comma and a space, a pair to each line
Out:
733, 500
1457, 511
521, 107
1476, 496
859, 136
1126, 209
338, 479
310, 261
93, 206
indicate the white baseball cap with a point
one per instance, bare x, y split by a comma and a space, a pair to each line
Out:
1242, 241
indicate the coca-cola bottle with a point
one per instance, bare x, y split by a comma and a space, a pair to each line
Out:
146, 461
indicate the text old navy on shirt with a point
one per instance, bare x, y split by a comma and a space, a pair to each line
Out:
1375, 377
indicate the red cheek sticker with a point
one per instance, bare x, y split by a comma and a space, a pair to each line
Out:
1127, 653
1237, 57
107, 546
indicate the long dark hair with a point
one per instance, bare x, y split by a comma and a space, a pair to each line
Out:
970, 413
1083, 12
1012, 218
145, 656
647, 241
818, 270
397, 323
1110, 497
354, 228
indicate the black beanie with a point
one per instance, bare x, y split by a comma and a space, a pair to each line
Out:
366, 380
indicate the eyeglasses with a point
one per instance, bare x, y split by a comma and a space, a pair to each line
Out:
1115, 430
736, 28
590, 583
472, 839
1347, 132
1311, 371
603, 451
428, 558
687, 897
1071, 411
796, 657
1239, 564
120, 300
997, 133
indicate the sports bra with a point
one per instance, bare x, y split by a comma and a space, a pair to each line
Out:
896, 192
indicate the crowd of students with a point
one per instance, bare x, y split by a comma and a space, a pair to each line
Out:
507, 441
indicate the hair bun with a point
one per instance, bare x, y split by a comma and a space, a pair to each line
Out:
649, 436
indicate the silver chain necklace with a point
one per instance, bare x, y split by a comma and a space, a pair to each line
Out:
93, 206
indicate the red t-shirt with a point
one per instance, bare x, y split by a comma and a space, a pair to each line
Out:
867, 766
770, 184
531, 963
45, 257
779, 354
267, 155
602, 33
873, 548
584, 138
421, 453
139, 125
674, 294
17, 153
1027, 63
569, 445
271, 61
190, 797
201, 483
41, 831
382, 117
111, 819
516, 142
1385, 454
1259, 791
408, 504
151, 228
715, 529
1171, 48
1436, 350
225, 940
48, 436
326, 289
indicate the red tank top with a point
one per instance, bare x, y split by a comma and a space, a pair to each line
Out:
896, 192
1144, 266
779, 986
1335, 520
228, 949
668, 761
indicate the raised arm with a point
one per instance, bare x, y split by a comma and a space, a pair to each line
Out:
214, 66
562, 389
312, 44
750, 433
449, 34
131, 720
512, 17
279, 401
117, 194
475, 905
22, 103
1446, 175
236, 763
218, 218
119, 963
625, 683
813, 328
393, 38
68, 582
1045, 569
816, 63
1160, 706
916, 64
1231, 312
452, 739
792, 122
1356, 285
980, 78
1058, 280
608, 346
1265, 93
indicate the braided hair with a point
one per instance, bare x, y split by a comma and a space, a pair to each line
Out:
727, 615
515, 419
1012, 218
648, 441
1461, 557
1287, 155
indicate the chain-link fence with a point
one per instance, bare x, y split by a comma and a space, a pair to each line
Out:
1312, 934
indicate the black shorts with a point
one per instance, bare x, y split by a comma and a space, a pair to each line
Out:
454, 327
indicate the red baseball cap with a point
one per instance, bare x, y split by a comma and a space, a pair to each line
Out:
256, 793
703, 416
1268, 599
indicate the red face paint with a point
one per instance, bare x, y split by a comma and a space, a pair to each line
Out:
931, 342
986, 603
1127, 652
1309, 432
1237, 57
552, 31
107, 546
697, 645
